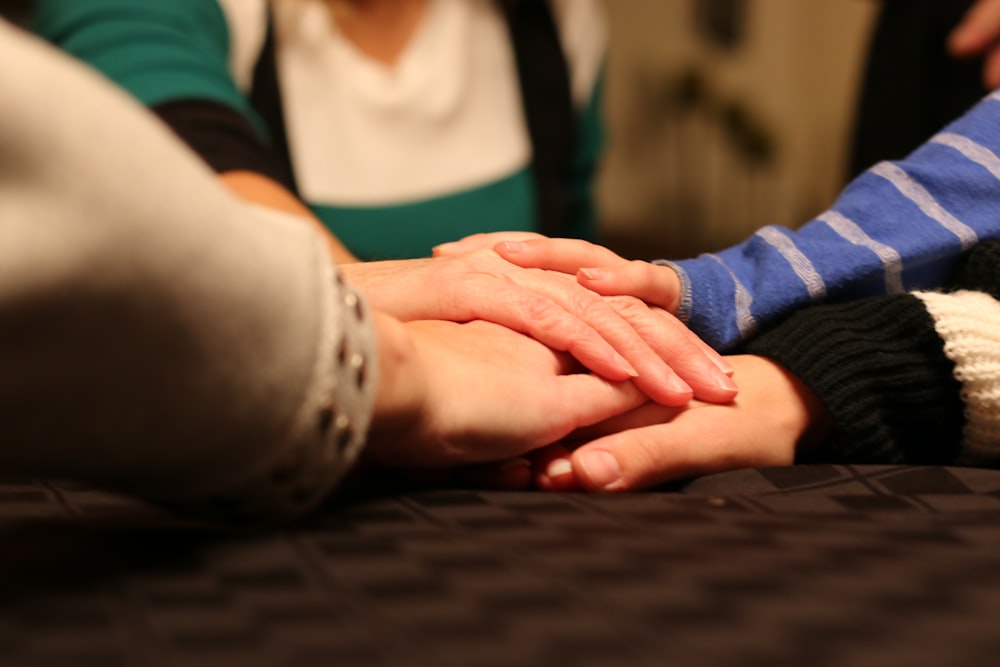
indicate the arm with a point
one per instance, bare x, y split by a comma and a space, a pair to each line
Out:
899, 226
175, 58
155, 339
661, 355
172, 56
149, 348
910, 378
260, 189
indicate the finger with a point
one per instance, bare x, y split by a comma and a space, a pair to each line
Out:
586, 399
535, 314
481, 241
719, 360
700, 367
645, 457
698, 441
553, 469
648, 414
563, 255
978, 30
598, 269
991, 69
666, 354
654, 284
632, 338
706, 371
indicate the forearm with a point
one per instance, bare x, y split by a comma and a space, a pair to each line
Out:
260, 189
158, 335
900, 226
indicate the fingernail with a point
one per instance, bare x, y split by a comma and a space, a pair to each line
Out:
559, 467
624, 365
723, 365
728, 384
593, 274
601, 468
513, 246
628, 368
679, 386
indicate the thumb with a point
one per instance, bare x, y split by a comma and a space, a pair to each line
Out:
641, 458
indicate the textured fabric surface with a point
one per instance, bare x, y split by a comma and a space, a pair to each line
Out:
817, 565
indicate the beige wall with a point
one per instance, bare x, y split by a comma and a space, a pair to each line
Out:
675, 180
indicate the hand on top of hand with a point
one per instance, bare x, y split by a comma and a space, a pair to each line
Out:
478, 392
620, 338
595, 267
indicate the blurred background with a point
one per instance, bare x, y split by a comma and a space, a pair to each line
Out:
725, 115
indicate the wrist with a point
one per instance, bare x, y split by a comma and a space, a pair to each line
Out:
795, 418
400, 396
813, 422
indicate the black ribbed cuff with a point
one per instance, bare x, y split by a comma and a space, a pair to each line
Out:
981, 269
879, 368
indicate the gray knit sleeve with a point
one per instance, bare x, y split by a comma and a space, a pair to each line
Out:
327, 429
158, 335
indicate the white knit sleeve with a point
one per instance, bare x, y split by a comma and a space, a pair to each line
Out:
969, 324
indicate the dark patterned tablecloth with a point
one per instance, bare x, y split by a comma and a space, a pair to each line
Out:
810, 565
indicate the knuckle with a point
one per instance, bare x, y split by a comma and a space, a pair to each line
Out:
541, 311
588, 305
628, 307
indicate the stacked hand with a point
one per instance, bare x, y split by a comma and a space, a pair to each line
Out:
773, 417
619, 338
595, 267
478, 392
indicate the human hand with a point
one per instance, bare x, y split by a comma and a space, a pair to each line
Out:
773, 417
978, 34
595, 267
620, 338
452, 394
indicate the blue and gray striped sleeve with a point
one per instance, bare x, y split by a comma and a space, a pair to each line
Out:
897, 227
